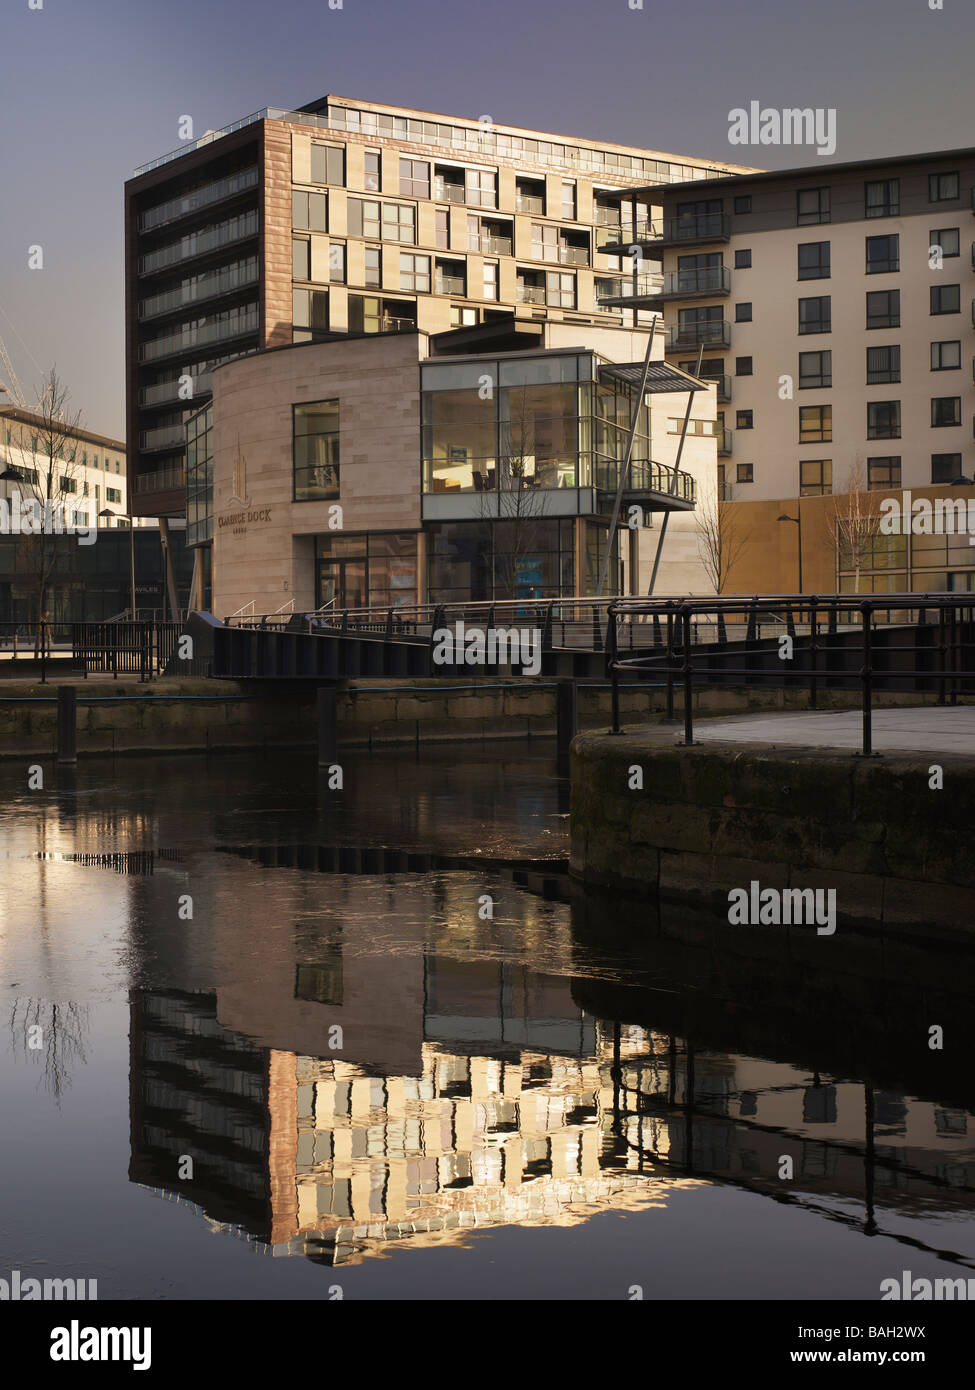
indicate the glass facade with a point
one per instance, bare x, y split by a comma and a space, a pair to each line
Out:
375, 570
530, 423
527, 557
316, 451
199, 477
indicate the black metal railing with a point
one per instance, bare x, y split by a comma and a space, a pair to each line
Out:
922, 643
114, 647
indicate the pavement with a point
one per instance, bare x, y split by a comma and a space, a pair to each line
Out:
931, 729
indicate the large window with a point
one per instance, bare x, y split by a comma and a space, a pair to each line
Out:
815, 477
365, 217
815, 370
883, 308
812, 206
815, 315
328, 164
884, 472
414, 272
883, 365
883, 254
399, 223
309, 211
945, 411
316, 451
815, 424
414, 178
814, 260
884, 420
300, 258
482, 188
882, 198
309, 315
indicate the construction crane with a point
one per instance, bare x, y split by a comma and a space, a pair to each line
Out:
13, 387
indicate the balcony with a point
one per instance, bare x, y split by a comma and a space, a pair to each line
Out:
445, 192
608, 217
685, 231
204, 287
161, 480
710, 333
629, 291
199, 243
489, 245
622, 236
686, 284
174, 343
723, 383
530, 202
573, 255
531, 294
166, 437
724, 438
449, 284
198, 198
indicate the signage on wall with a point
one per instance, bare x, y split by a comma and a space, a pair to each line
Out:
237, 522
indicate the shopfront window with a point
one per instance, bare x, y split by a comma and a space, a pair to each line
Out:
374, 570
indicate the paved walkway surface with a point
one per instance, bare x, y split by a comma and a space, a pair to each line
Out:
934, 729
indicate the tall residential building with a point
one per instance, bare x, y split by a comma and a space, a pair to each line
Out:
352, 216
833, 307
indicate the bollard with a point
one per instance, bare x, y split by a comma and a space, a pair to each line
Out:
566, 711
67, 725
327, 725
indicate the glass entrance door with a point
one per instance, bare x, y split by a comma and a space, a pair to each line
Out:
342, 583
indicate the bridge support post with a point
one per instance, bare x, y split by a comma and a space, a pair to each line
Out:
67, 725
566, 714
327, 725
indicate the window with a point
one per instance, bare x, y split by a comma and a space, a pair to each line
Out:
316, 451
482, 188
308, 211
399, 223
812, 206
560, 290
946, 239
883, 365
743, 313
336, 263
743, 260
814, 260
943, 188
309, 314
490, 279
545, 241
945, 357
568, 200
414, 178
815, 315
374, 267
883, 254
815, 477
945, 411
69, 485
328, 164
743, 366
815, 424
373, 175
745, 473
882, 198
884, 420
112, 494
364, 217
442, 220
945, 468
884, 472
300, 258
462, 317
946, 299
743, 204
744, 420
414, 272
815, 370
883, 308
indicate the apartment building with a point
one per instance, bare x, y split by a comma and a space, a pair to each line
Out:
833, 307
478, 464
88, 475
353, 217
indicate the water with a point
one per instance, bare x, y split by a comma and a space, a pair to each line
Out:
388, 1049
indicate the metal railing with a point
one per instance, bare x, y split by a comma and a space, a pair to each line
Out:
705, 226
117, 646
161, 480
710, 279
628, 287
703, 333
925, 641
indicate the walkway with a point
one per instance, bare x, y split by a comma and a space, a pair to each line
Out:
932, 729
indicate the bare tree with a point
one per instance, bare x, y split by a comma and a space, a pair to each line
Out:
57, 1033
721, 537
50, 468
854, 520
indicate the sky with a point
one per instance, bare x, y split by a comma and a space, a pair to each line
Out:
93, 88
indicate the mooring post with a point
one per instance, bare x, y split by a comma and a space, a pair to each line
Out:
67, 724
327, 725
566, 712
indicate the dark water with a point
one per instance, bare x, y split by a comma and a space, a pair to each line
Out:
387, 1047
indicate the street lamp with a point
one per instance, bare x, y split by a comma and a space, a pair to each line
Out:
107, 511
798, 522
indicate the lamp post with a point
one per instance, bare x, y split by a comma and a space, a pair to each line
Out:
107, 511
798, 522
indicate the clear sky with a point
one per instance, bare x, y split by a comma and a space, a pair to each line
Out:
92, 88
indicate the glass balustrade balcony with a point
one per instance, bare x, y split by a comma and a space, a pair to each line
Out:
166, 437
204, 196
232, 327
203, 287
573, 255
684, 284
199, 243
165, 391
531, 294
629, 291
709, 333
161, 480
